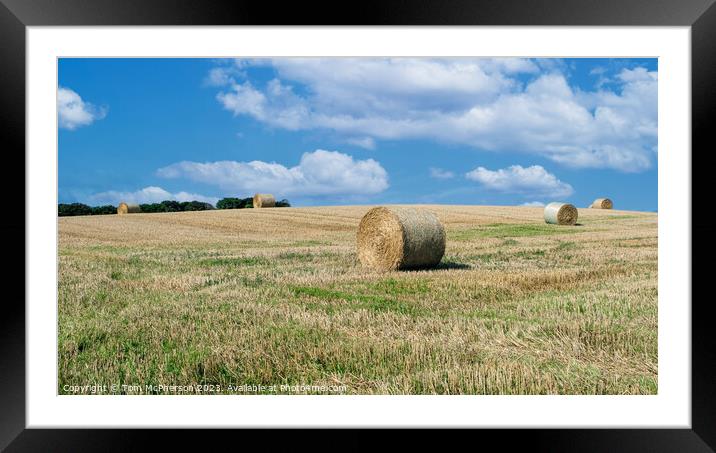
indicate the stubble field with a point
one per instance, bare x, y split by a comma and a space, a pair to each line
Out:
276, 297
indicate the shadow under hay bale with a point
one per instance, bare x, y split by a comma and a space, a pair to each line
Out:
602, 203
453, 265
560, 214
400, 238
128, 208
264, 200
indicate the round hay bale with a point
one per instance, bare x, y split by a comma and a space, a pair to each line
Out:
264, 200
560, 214
128, 208
400, 238
602, 203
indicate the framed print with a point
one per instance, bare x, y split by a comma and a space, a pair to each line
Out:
414, 216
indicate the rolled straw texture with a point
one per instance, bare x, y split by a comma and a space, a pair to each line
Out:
128, 208
264, 200
560, 214
602, 203
400, 238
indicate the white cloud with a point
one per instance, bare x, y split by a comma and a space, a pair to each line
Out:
278, 106
358, 85
226, 73
478, 102
600, 73
439, 173
350, 88
510, 65
535, 204
637, 75
218, 77
318, 173
73, 112
151, 194
533, 181
363, 142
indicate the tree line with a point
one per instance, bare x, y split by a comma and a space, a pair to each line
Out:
73, 209
242, 203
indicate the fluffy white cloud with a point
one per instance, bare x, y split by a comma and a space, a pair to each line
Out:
151, 194
363, 142
478, 102
73, 112
346, 89
218, 77
533, 181
278, 106
439, 173
318, 173
369, 85
536, 204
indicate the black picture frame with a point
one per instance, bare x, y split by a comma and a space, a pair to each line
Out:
16, 15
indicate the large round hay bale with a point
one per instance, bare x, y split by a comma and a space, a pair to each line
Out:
400, 238
602, 203
128, 208
560, 214
264, 200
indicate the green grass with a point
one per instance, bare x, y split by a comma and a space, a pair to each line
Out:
530, 254
512, 231
373, 302
239, 261
564, 245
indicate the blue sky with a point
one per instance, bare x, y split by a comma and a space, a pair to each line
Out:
359, 131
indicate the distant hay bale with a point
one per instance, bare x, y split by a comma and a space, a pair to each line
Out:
128, 208
602, 203
400, 238
560, 214
264, 200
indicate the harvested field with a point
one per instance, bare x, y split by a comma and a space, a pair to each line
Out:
277, 297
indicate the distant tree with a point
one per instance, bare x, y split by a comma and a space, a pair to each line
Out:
171, 206
235, 203
71, 209
151, 207
102, 210
242, 203
229, 203
195, 206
